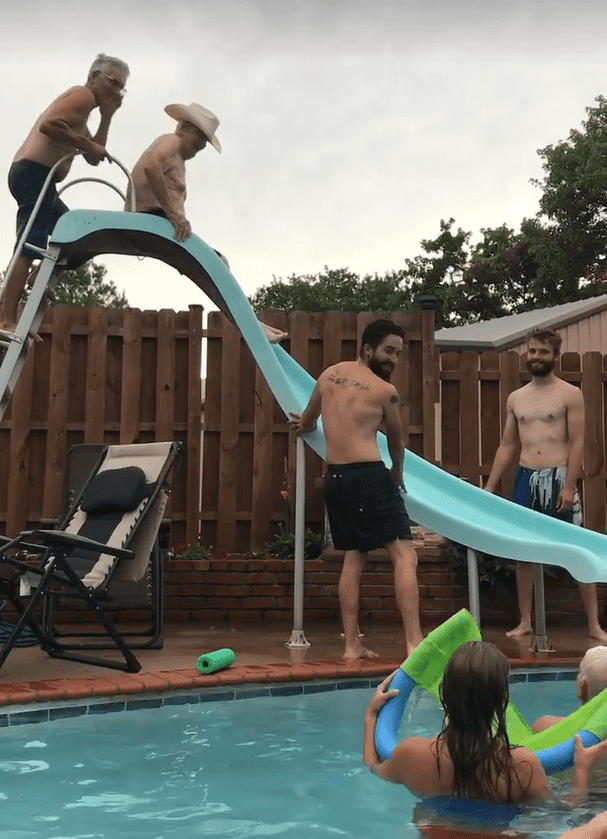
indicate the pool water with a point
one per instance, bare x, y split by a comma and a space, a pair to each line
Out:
268, 766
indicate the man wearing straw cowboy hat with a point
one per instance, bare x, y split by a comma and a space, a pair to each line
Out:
159, 174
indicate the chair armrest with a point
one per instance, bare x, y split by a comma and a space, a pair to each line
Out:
18, 544
61, 539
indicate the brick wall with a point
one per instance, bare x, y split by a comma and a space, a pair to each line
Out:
235, 589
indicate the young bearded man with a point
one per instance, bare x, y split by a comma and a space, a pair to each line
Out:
545, 421
362, 496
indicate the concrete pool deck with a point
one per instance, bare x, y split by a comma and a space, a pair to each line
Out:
30, 675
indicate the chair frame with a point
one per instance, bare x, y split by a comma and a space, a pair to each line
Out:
53, 548
75, 480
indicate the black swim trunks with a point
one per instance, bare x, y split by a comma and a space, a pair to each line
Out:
25, 181
365, 508
156, 211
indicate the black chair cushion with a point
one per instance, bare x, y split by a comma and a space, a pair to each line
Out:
115, 490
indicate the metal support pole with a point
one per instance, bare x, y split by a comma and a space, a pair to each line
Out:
540, 642
298, 639
473, 587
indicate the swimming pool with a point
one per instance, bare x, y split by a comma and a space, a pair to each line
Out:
270, 765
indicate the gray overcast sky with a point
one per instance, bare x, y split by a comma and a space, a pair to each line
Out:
349, 127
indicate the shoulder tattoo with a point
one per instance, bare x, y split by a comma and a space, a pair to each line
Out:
395, 399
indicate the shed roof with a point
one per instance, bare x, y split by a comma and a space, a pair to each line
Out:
511, 330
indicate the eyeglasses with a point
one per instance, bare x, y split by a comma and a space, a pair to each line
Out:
115, 83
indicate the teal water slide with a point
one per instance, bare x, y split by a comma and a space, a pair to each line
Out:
435, 499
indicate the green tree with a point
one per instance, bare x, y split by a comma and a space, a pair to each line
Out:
571, 249
333, 290
469, 284
439, 271
88, 286
500, 276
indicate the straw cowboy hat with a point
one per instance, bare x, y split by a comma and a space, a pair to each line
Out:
201, 117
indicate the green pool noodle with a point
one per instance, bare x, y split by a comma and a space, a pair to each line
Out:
426, 666
217, 660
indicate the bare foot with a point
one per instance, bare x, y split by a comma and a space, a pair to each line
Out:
274, 336
597, 634
521, 631
358, 651
7, 329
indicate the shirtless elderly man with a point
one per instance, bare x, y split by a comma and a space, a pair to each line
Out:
159, 174
59, 131
545, 420
364, 504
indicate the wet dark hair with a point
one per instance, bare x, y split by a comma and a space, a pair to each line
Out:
547, 336
375, 332
474, 694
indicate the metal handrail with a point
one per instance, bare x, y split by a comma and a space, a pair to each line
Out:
131, 199
49, 178
93, 180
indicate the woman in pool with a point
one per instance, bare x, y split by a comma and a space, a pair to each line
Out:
472, 757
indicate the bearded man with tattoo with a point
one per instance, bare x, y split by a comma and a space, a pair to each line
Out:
364, 499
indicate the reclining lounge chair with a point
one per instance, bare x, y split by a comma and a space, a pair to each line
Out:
142, 598
109, 533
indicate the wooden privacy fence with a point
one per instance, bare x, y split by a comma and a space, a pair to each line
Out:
249, 455
99, 375
122, 376
474, 389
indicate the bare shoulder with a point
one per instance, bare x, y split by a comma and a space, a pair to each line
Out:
522, 756
518, 396
390, 394
414, 764
418, 757
166, 144
414, 746
530, 773
413, 755
328, 372
572, 393
341, 370
78, 97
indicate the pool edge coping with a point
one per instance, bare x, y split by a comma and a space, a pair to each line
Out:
117, 683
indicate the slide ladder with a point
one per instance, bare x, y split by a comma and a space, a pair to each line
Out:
14, 346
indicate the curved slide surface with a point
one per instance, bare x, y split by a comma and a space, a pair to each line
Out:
435, 499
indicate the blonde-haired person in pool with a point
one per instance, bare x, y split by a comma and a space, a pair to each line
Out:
591, 680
